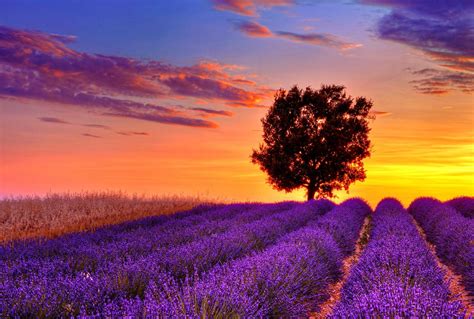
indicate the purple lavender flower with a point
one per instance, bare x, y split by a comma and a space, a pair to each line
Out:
89, 273
464, 205
396, 276
287, 279
451, 233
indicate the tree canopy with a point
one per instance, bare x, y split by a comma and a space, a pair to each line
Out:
315, 139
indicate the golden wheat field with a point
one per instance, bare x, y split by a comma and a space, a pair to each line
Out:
56, 214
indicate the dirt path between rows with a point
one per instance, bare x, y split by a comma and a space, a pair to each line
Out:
458, 292
335, 289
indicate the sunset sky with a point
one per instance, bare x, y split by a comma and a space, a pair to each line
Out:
166, 97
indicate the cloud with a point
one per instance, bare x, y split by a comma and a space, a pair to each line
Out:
91, 135
446, 8
173, 120
320, 39
450, 43
215, 66
53, 120
211, 112
257, 30
254, 29
248, 7
127, 133
199, 87
131, 133
41, 66
442, 30
380, 113
100, 104
438, 82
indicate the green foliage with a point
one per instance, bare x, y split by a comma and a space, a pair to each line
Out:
315, 139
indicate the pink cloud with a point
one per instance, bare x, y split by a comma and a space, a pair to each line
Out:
320, 39
380, 113
40, 66
439, 82
54, 120
211, 112
248, 7
254, 29
257, 30
91, 135
131, 133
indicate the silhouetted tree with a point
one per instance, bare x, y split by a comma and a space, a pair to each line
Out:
315, 139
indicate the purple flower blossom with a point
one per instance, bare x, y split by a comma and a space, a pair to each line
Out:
287, 279
397, 275
102, 271
464, 205
451, 233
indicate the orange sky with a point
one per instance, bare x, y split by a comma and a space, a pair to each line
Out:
420, 153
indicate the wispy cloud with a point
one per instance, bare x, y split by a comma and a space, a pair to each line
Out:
380, 113
254, 29
248, 7
321, 39
442, 30
41, 66
166, 119
53, 120
211, 112
257, 30
439, 82
131, 133
91, 135
100, 126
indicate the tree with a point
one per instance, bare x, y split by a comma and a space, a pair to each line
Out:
315, 139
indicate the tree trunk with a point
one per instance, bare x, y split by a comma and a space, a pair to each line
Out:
311, 190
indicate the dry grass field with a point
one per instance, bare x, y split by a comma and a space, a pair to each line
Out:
57, 214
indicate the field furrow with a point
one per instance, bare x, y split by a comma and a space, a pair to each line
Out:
334, 289
89, 276
138, 238
252, 260
451, 233
287, 279
239, 240
454, 281
397, 275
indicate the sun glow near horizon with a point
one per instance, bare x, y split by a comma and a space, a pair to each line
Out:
178, 112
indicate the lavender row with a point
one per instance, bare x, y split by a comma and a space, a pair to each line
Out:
84, 252
397, 276
57, 287
464, 205
128, 232
287, 279
157, 244
240, 240
451, 233
173, 240
73, 255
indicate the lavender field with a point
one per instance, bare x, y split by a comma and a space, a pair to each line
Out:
313, 259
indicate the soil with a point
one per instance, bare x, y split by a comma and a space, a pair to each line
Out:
335, 289
458, 292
